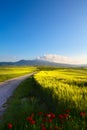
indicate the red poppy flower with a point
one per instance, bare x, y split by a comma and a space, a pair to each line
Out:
65, 116
82, 114
48, 115
32, 122
50, 120
51, 115
40, 113
29, 119
61, 116
43, 128
45, 115
10, 125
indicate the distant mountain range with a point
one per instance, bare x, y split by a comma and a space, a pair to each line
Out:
37, 62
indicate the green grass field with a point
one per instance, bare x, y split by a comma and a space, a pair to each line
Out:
53, 99
8, 72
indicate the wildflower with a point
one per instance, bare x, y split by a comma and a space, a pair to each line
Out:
40, 113
43, 128
50, 120
9, 125
82, 114
65, 116
29, 119
48, 115
61, 116
45, 115
32, 122
51, 115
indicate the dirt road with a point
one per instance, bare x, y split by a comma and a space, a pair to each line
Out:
7, 88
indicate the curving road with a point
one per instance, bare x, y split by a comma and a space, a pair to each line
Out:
7, 88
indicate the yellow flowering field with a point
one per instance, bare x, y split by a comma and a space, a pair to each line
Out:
66, 87
8, 72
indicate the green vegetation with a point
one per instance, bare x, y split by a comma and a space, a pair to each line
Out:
68, 86
53, 99
8, 72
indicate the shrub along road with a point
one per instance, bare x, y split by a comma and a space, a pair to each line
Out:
7, 88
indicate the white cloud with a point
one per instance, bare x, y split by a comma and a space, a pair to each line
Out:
64, 59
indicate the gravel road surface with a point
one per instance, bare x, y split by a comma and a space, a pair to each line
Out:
7, 88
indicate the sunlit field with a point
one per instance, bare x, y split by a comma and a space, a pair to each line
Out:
53, 99
14, 71
65, 89
68, 86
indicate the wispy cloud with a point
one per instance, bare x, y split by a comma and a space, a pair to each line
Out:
64, 59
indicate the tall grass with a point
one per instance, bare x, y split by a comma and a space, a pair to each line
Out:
66, 86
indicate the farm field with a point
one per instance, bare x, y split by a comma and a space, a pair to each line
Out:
8, 72
68, 86
53, 99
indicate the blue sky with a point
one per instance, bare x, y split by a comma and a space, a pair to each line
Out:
31, 28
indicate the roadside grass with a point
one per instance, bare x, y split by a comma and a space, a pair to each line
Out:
8, 72
51, 100
26, 99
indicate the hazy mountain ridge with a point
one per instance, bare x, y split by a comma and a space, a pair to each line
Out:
38, 62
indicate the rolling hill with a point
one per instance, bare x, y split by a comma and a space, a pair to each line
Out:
37, 62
